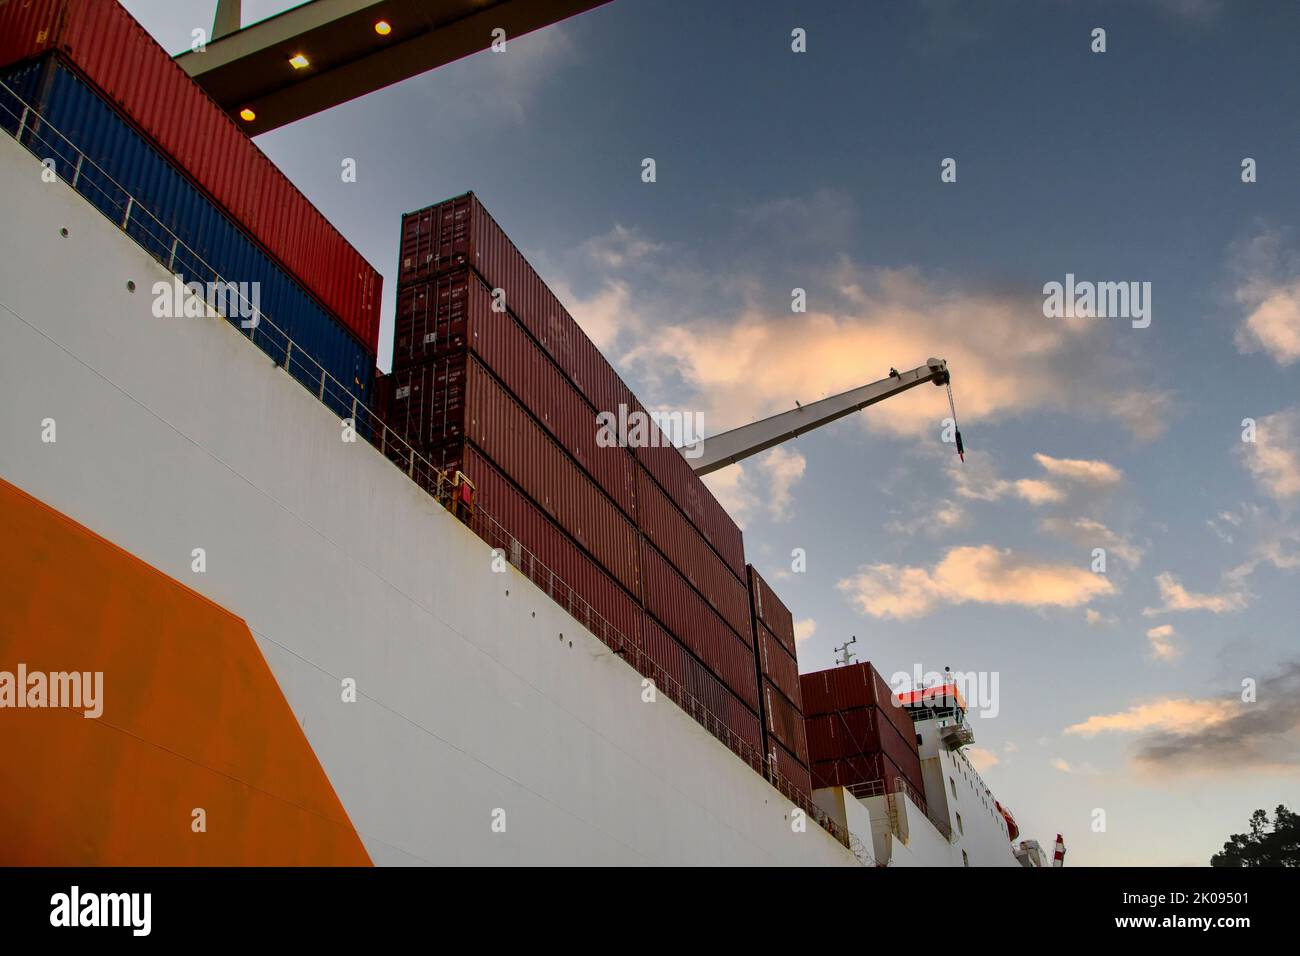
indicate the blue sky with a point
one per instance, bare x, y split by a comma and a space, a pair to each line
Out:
821, 170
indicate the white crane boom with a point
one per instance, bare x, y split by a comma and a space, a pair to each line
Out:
719, 451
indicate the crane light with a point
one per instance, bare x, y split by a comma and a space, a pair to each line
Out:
247, 115
383, 28
299, 62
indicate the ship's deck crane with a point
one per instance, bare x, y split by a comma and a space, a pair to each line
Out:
719, 451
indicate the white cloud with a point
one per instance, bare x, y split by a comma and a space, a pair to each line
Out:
981, 574
783, 469
978, 480
1083, 470
747, 359
1162, 645
603, 315
1096, 619
1177, 714
1178, 598
1062, 765
1273, 459
620, 247
1038, 492
1144, 412
1273, 323
804, 629
733, 489
981, 758
747, 489
1088, 533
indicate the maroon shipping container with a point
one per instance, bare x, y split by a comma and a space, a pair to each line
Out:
690, 554
460, 232
770, 609
115, 54
685, 671
454, 312
686, 615
443, 394
542, 545
685, 489
847, 688
866, 776
874, 773
789, 767
776, 664
784, 721
862, 732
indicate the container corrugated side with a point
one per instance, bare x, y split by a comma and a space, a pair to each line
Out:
846, 688
771, 610
890, 705
875, 771
460, 231
851, 733
129, 162
690, 554
775, 663
464, 391
541, 540
687, 617
676, 661
784, 721
454, 311
118, 57
788, 766
685, 489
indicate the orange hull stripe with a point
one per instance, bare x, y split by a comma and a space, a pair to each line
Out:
192, 719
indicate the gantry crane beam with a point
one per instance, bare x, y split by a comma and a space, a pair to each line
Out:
725, 449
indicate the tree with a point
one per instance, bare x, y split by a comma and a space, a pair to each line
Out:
1279, 846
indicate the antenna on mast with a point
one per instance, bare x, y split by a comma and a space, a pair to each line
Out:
848, 654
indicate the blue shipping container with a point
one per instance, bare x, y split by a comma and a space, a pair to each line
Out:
131, 165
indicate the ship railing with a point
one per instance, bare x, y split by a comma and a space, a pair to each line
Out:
134, 218
500, 538
29, 127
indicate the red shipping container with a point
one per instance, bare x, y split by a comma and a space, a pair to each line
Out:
539, 549
686, 615
463, 391
115, 54
789, 767
432, 319
453, 312
770, 609
676, 670
862, 732
685, 489
847, 688
784, 721
777, 665
690, 554
459, 232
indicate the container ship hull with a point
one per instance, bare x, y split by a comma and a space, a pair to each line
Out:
305, 658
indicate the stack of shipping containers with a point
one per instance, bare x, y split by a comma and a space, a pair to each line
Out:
784, 736
859, 735
160, 147
492, 377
